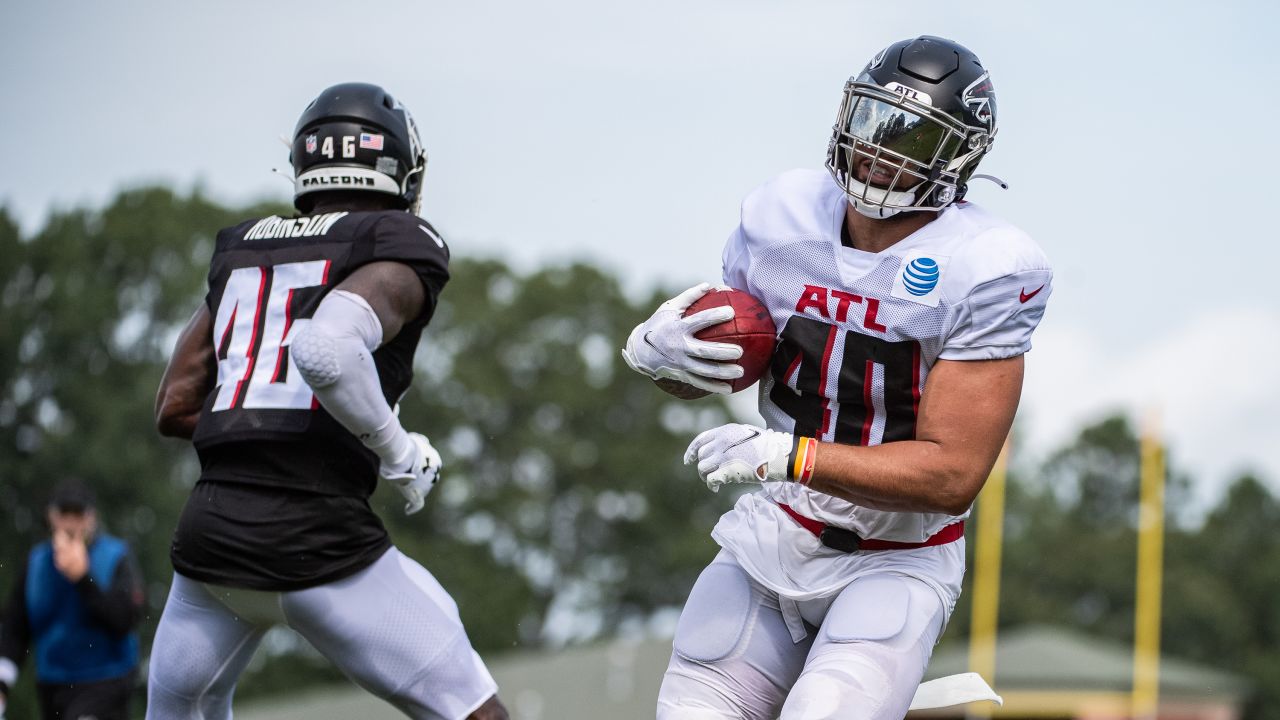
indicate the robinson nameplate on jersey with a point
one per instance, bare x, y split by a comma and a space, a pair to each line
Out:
269, 228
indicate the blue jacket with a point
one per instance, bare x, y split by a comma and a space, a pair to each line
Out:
70, 645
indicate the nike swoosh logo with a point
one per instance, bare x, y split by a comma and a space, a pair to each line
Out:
656, 349
754, 434
440, 242
1024, 296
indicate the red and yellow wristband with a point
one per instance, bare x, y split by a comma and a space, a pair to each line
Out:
804, 455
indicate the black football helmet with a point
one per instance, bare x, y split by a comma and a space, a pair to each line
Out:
355, 136
912, 127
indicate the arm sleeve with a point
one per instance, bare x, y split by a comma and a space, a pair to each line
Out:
118, 607
333, 353
996, 319
15, 632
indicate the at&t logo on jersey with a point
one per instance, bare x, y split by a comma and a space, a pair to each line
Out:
921, 276
919, 279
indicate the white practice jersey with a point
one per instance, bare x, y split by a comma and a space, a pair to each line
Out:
858, 331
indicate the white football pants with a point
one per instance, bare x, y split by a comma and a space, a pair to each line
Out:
863, 654
391, 628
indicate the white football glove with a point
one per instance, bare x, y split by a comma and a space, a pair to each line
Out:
664, 346
416, 480
736, 453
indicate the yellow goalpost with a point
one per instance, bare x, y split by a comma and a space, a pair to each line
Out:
988, 543
1146, 631
1143, 701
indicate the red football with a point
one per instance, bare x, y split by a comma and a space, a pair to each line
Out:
751, 328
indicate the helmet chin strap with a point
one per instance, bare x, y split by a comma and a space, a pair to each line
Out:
878, 204
875, 212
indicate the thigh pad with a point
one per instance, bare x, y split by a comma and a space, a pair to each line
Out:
870, 608
715, 617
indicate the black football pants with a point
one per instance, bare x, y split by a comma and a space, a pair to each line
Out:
102, 700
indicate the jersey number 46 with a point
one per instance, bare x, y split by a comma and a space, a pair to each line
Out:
250, 333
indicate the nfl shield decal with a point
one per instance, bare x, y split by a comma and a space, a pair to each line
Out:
919, 278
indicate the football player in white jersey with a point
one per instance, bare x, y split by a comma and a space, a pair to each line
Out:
903, 314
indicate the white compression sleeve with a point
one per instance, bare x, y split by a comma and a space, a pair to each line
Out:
333, 353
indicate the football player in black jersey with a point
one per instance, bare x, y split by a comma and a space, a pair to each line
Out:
284, 380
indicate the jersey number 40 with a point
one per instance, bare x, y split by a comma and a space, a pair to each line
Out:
875, 383
250, 332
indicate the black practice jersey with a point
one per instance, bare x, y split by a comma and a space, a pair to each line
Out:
272, 538
262, 424
282, 501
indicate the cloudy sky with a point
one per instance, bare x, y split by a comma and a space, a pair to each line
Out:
1135, 138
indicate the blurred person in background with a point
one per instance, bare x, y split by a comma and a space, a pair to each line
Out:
903, 314
285, 380
77, 601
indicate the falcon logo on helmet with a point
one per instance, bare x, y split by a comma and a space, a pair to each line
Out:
355, 136
878, 60
980, 95
912, 128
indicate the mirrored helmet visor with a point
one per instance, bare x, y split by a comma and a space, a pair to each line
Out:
900, 131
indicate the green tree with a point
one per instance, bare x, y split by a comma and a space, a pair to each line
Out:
1220, 589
